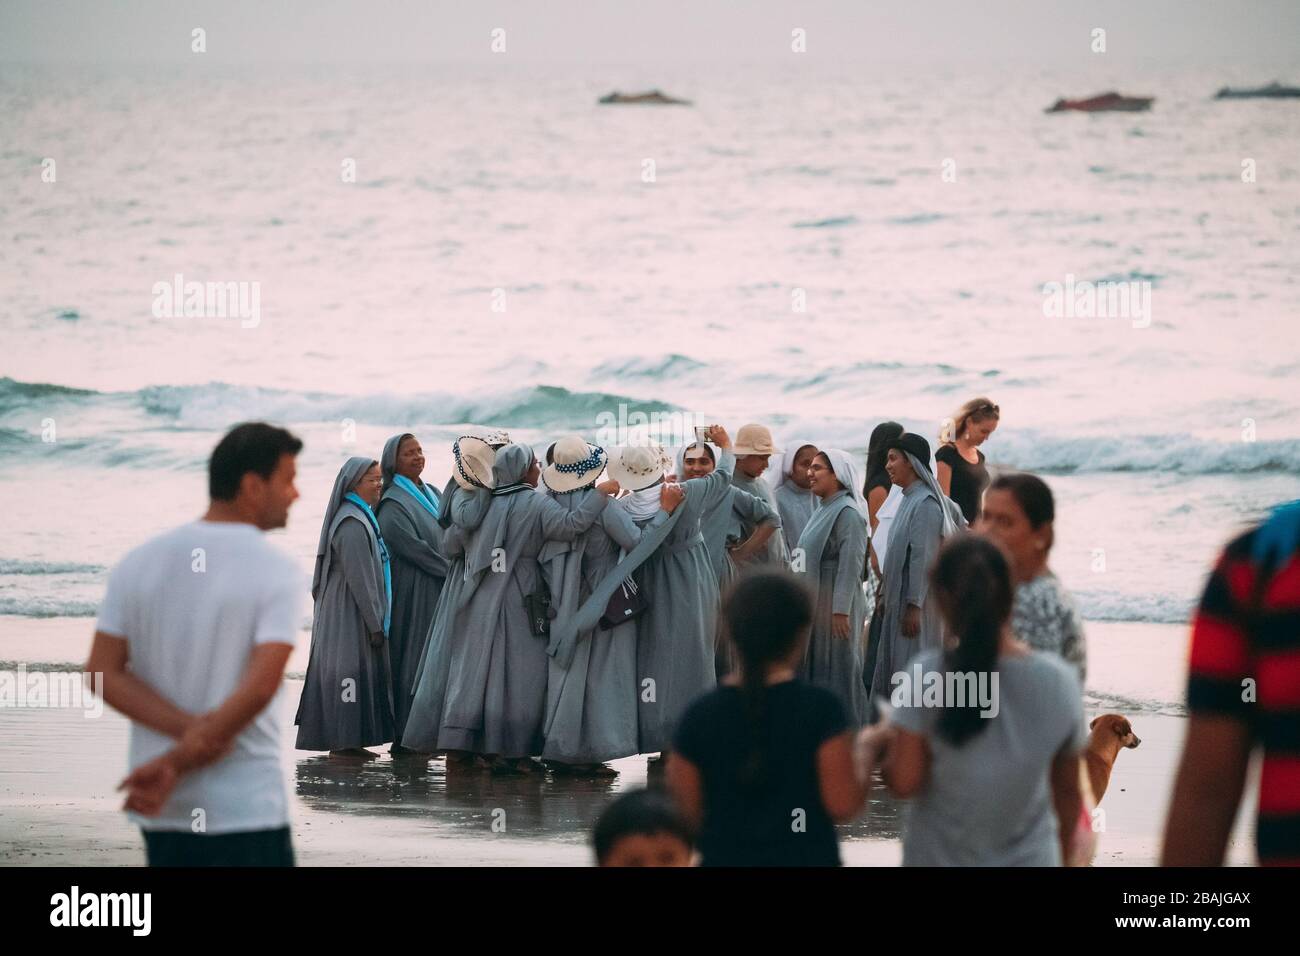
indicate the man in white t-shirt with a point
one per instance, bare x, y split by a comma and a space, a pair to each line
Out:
192, 639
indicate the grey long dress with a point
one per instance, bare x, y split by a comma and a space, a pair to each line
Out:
731, 520
735, 517
347, 695
496, 685
795, 506
464, 510
591, 704
831, 662
776, 553
675, 636
914, 539
419, 569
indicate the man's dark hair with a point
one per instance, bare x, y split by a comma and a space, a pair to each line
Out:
252, 446
643, 812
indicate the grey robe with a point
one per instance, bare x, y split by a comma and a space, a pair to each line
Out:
914, 540
496, 685
778, 553
835, 577
464, 510
676, 634
414, 540
591, 704
350, 605
795, 506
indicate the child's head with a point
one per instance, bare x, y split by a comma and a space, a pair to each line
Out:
642, 828
767, 616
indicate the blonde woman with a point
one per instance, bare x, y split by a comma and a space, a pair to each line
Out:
959, 462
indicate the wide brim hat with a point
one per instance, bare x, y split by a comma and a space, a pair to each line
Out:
497, 438
638, 466
473, 461
575, 463
914, 445
494, 437
754, 440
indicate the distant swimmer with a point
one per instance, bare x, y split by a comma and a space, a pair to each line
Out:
1104, 103
652, 97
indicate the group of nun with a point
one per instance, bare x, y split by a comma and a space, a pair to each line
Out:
530, 611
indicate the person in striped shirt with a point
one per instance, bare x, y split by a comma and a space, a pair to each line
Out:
1243, 693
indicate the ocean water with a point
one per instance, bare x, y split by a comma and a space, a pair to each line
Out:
380, 300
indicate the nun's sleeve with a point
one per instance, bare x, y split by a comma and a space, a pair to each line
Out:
453, 543
850, 534
713, 486
403, 541
468, 509
925, 535
754, 511
623, 531
354, 554
561, 524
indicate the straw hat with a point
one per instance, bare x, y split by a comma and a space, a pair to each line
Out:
638, 466
473, 463
574, 463
754, 440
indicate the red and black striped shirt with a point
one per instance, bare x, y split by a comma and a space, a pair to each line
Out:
1245, 663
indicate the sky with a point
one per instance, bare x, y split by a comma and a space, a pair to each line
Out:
406, 31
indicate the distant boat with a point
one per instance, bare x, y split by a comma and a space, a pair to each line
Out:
1274, 91
654, 97
1104, 103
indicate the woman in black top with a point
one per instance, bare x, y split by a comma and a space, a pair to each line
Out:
961, 471
763, 764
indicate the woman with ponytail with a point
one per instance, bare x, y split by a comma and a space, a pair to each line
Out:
986, 734
763, 765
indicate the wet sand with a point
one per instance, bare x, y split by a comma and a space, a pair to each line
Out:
58, 771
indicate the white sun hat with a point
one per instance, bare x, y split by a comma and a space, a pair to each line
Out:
473, 463
638, 466
574, 463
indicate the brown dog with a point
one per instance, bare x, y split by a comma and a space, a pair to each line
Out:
1110, 732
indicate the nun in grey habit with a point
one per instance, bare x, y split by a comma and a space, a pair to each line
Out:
830, 556
925, 517
408, 516
347, 702
795, 504
729, 522
464, 502
676, 634
591, 710
496, 685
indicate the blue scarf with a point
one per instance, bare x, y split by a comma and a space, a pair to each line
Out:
422, 495
356, 499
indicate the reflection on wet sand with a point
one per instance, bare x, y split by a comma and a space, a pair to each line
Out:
464, 801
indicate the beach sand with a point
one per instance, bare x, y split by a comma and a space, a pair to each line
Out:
58, 770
